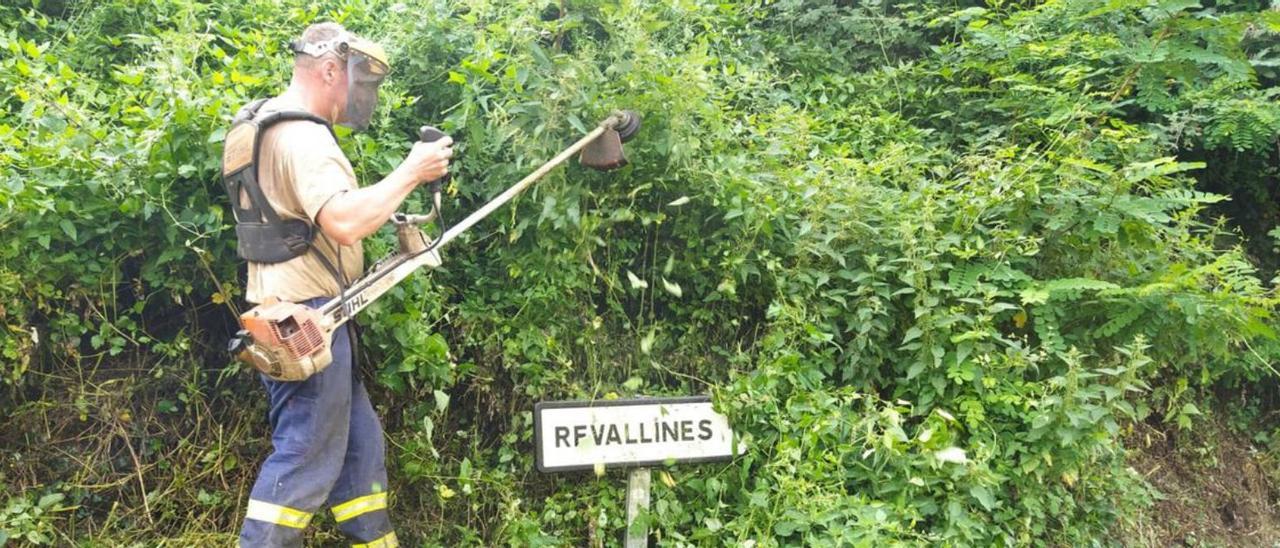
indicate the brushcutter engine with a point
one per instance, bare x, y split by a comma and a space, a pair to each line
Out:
283, 340
290, 341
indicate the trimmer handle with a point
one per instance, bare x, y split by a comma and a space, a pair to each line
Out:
429, 134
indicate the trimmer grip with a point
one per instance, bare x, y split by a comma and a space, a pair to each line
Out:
429, 134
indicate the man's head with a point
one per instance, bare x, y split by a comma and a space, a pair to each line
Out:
341, 71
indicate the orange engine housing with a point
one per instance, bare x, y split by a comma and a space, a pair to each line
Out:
288, 340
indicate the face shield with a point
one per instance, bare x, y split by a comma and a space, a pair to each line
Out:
364, 74
366, 68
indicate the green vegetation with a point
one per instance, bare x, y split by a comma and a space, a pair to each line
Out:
934, 260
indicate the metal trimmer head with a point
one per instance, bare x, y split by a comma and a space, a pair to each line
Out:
605, 152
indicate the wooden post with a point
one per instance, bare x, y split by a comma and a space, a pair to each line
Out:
637, 500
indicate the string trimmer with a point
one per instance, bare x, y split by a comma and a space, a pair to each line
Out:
290, 341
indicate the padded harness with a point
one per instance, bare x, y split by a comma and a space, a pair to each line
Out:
261, 235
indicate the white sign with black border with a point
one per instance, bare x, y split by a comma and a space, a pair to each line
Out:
578, 435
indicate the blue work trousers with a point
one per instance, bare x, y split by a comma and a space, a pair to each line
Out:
328, 452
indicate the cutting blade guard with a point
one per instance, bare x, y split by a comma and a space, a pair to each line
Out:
605, 152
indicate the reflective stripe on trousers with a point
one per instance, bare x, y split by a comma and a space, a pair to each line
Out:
328, 452
388, 541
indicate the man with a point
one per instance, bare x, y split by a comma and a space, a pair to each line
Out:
328, 446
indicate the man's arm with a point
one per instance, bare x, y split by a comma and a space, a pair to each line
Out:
351, 216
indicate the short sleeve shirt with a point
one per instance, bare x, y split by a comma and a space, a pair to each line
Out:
301, 168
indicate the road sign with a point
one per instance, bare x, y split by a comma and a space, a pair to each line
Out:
578, 435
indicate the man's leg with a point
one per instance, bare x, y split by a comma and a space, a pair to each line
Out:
309, 424
359, 499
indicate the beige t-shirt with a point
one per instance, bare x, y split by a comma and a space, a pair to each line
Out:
300, 168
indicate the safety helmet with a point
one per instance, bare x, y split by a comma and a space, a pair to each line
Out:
367, 67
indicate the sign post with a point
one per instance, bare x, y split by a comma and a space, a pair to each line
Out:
635, 433
637, 501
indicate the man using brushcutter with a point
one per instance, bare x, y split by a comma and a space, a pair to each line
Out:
300, 218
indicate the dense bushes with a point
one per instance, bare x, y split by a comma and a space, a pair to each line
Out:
931, 260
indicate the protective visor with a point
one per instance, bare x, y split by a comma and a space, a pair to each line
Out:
367, 67
364, 74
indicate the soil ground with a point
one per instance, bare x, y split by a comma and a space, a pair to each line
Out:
1215, 487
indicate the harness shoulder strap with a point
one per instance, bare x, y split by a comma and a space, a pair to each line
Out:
248, 111
278, 116
263, 124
